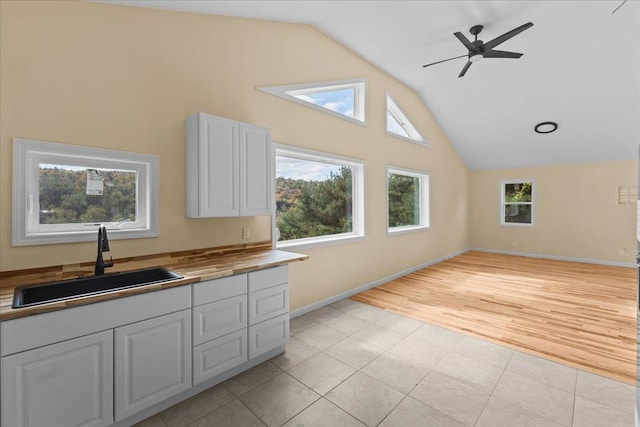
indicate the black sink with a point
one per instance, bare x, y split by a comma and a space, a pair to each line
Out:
59, 291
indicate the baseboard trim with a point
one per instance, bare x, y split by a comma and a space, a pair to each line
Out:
556, 257
319, 304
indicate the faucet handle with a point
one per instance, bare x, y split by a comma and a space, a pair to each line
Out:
109, 263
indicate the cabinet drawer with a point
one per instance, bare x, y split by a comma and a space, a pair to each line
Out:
219, 318
268, 303
266, 278
268, 335
219, 355
217, 289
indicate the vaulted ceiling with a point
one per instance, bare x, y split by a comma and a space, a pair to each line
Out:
580, 68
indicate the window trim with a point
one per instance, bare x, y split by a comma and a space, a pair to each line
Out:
425, 197
532, 203
28, 154
359, 97
404, 122
358, 203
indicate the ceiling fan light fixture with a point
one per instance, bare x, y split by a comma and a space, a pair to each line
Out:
546, 127
475, 57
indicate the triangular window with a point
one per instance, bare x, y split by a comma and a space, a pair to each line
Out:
399, 125
345, 99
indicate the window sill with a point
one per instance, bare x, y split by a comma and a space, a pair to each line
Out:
81, 236
314, 242
515, 224
406, 229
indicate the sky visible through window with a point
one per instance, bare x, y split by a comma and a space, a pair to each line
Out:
340, 101
287, 167
69, 168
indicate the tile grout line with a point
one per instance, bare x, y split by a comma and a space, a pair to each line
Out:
320, 396
494, 388
575, 397
249, 409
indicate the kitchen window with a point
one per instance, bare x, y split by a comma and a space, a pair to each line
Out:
62, 193
517, 206
318, 198
407, 200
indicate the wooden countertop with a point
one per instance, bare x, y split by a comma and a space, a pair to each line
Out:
194, 266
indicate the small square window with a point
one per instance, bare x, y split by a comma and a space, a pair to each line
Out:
407, 200
517, 202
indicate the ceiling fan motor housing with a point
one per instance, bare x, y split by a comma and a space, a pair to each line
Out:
476, 29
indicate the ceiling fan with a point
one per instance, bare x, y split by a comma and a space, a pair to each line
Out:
479, 49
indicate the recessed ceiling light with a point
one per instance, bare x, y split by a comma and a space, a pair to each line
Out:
546, 127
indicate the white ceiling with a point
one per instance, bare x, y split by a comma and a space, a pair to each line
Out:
581, 69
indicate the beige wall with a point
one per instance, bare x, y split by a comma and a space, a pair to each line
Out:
125, 78
577, 215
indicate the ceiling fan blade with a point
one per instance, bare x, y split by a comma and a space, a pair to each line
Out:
464, 70
501, 54
445, 60
465, 41
506, 36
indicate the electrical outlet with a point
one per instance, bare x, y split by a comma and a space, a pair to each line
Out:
624, 252
246, 232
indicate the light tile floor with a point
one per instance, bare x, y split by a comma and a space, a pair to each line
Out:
351, 364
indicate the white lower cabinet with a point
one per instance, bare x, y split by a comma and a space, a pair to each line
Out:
219, 355
68, 384
103, 363
152, 362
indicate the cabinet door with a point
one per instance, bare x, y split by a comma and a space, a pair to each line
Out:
218, 161
60, 385
255, 170
268, 335
152, 361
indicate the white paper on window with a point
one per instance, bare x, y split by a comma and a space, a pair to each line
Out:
95, 185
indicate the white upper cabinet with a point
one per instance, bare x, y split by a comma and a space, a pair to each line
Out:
228, 168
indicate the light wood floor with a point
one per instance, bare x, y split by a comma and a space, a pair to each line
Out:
578, 314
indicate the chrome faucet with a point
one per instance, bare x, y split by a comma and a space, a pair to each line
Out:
103, 246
